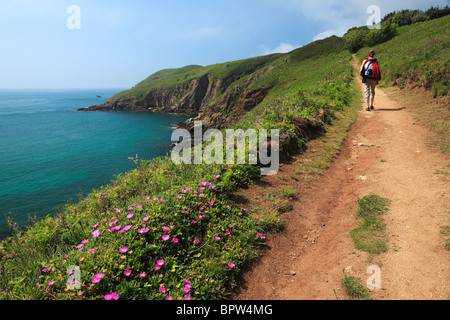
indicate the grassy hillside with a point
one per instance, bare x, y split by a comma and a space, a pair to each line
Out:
418, 57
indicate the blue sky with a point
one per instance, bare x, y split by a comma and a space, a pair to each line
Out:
120, 43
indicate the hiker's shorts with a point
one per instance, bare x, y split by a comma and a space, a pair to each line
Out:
370, 87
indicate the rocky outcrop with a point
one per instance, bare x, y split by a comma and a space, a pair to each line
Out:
202, 98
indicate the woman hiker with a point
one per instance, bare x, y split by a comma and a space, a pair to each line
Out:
370, 71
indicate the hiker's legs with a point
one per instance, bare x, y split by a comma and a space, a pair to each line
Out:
370, 92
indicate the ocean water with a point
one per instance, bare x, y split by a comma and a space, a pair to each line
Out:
49, 152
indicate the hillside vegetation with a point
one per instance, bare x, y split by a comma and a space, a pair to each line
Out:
166, 231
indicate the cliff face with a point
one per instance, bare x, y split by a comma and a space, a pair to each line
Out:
217, 101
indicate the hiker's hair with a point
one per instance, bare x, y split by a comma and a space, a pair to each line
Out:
371, 53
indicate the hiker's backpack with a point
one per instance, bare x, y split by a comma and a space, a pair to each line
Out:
371, 70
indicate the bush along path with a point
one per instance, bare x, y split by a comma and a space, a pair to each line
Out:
387, 154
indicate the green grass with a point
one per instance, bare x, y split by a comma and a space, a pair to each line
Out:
355, 289
370, 235
446, 232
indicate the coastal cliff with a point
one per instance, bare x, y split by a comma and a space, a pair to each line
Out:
217, 94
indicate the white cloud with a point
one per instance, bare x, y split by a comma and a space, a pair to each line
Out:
325, 34
282, 48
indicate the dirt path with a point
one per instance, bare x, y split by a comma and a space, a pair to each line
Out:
386, 154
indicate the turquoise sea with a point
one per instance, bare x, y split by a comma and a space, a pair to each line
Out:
49, 152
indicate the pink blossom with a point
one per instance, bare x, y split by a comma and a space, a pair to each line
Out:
130, 216
95, 234
85, 241
196, 241
145, 218
160, 262
118, 210
139, 206
204, 183
187, 212
187, 297
92, 250
112, 296
47, 269
128, 227
162, 289
212, 187
123, 250
142, 275
166, 228
231, 265
50, 283
201, 195
143, 230
187, 288
169, 298
175, 240
156, 267
217, 238
116, 228
165, 237
218, 176
179, 197
127, 273
95, 226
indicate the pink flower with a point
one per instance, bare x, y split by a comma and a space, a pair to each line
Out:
123, 250
156, 267
95, 226
127, 273
212, 187
116, 228
162, 289
85, 241
47, 269
160, 262
165, 237
130, 216
217, 238
169, 298
187, 288
187, 281
128, 227
112, 296
92, 250
166, 228
204, 183
179, 197
218, 176
97, 278
145, 218
143, 230
196, 241
139, 206
187, 297
201, 195
118, 210
50, 283
175, 240
142, 275
231, 265
187, 212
